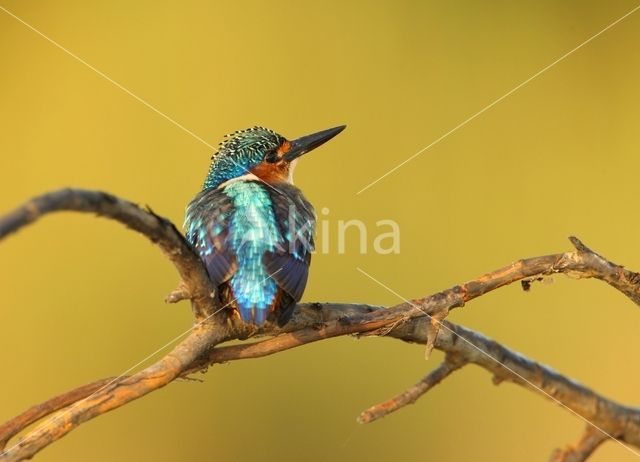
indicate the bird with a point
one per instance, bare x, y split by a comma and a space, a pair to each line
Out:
252, 228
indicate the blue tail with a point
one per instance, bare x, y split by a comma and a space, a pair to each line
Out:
254, 315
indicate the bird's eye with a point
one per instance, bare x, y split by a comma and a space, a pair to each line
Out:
271, 156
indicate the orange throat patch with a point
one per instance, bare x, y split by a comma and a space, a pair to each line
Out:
277, 172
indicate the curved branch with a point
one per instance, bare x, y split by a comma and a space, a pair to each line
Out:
157, 229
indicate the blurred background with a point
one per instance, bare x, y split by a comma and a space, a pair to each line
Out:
82, 298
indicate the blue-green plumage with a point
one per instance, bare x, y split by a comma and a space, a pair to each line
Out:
252, 228
255, 234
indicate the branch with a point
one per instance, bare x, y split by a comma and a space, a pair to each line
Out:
580, 451
411, 395
95, 399
11, 428
157, 229
467, 346
419, 321
113, 395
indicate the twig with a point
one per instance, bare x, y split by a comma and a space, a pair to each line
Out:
433, 330
411, 395
580, 451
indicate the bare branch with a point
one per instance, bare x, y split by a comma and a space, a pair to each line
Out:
37, 412
157, 229
585, 263
113, 395
419, 321
411, 395
621, 422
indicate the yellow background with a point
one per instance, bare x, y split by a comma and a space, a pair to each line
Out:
82, 298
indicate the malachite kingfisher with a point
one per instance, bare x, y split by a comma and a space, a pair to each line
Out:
253, 229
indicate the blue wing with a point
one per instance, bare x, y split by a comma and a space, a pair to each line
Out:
207, 229
289, 263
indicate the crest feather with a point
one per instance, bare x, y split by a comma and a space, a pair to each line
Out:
240, 151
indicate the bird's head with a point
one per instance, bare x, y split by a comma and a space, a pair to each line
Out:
262, 153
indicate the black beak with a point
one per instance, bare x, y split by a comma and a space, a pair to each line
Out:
307, 143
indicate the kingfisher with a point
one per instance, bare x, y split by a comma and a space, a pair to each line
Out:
252, 228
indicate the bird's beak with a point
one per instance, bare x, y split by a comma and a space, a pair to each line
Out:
307, 143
